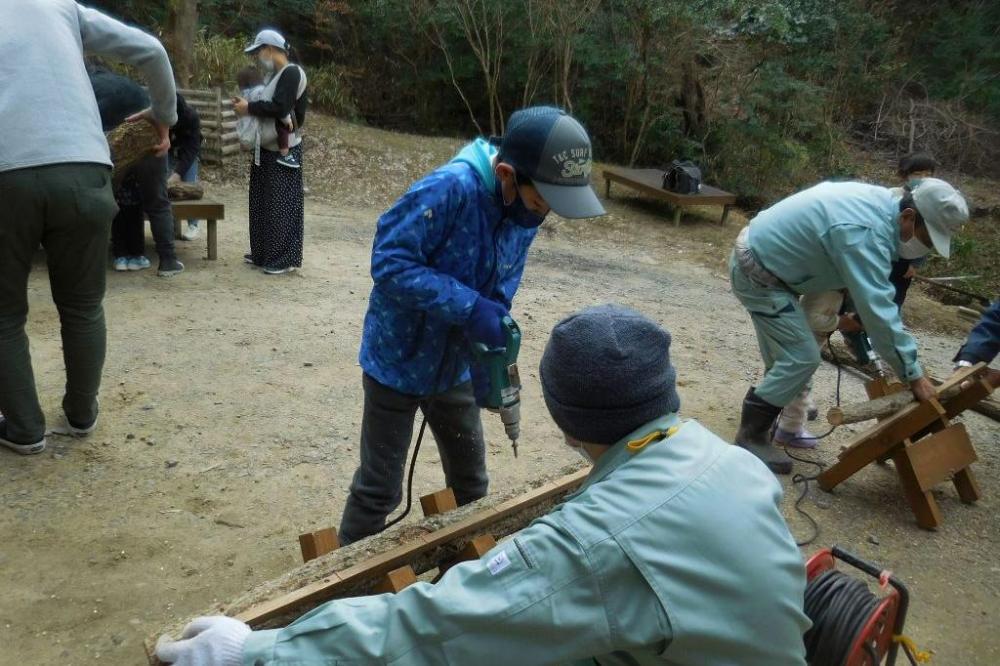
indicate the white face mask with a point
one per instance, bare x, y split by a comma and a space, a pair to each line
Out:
913, 249
267, 63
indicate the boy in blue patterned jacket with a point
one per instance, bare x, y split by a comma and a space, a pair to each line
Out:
447, 260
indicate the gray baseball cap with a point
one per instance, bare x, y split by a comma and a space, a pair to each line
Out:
552, 149
267, 37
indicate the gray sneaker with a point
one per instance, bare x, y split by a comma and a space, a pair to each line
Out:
170, 267
23, 449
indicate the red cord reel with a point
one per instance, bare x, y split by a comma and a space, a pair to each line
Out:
884, 622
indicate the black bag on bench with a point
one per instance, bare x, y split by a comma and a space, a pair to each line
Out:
682, 177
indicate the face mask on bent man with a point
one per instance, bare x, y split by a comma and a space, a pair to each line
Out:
913, 249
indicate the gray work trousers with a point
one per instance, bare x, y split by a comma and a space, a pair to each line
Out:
386, 431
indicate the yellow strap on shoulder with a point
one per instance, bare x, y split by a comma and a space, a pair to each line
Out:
637, 445
911, 647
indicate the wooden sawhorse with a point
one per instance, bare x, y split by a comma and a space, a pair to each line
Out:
925, 447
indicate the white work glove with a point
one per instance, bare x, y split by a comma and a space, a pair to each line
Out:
206, 641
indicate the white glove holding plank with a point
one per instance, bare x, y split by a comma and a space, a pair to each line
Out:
206, 641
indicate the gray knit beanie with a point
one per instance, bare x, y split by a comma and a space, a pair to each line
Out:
605, 372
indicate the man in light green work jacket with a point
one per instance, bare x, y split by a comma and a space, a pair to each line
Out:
674, 550
831, 236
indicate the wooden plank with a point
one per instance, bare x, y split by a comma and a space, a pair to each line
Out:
941, 456
397, 580
200, 210
439, 502
213, 125
320, 542
205, 93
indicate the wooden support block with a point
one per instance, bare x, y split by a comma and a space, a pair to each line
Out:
396, 580
475, 549
940, 456
314, 544
440, 502
607, 188
922, 502
677, 215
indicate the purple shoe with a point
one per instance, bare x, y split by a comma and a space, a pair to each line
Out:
802, 439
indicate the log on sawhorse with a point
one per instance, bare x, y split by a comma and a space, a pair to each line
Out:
989, 407
924, 445
359, 568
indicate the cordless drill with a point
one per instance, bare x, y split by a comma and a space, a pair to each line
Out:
500, 365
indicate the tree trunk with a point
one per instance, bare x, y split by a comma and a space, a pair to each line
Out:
180, 31
692, 102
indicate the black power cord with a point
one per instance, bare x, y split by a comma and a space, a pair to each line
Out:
839, 606
804, 479
453, 333
409, 478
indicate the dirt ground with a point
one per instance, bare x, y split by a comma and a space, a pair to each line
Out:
232, 401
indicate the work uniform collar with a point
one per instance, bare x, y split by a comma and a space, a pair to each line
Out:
620, 451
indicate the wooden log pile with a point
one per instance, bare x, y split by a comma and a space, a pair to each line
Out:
218, 123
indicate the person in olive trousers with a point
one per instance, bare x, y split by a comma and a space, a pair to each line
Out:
55, 185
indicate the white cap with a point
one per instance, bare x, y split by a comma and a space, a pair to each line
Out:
943, 209
267, 37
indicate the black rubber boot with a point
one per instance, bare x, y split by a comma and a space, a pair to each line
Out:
754, 433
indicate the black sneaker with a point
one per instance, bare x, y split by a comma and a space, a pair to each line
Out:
23, 449
248, 259
77, 430
170, 267
289, 161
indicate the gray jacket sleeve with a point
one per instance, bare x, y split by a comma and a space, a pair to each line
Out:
103, 35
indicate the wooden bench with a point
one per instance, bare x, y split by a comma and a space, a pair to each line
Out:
650, 181
210, 211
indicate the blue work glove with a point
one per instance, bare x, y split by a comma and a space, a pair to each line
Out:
483, 324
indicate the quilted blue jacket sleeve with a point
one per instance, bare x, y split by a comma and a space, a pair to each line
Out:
983, 343
408, 237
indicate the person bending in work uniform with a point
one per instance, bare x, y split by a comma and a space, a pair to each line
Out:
983, 344
447, 261
831, 236
647, 563
825, 310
